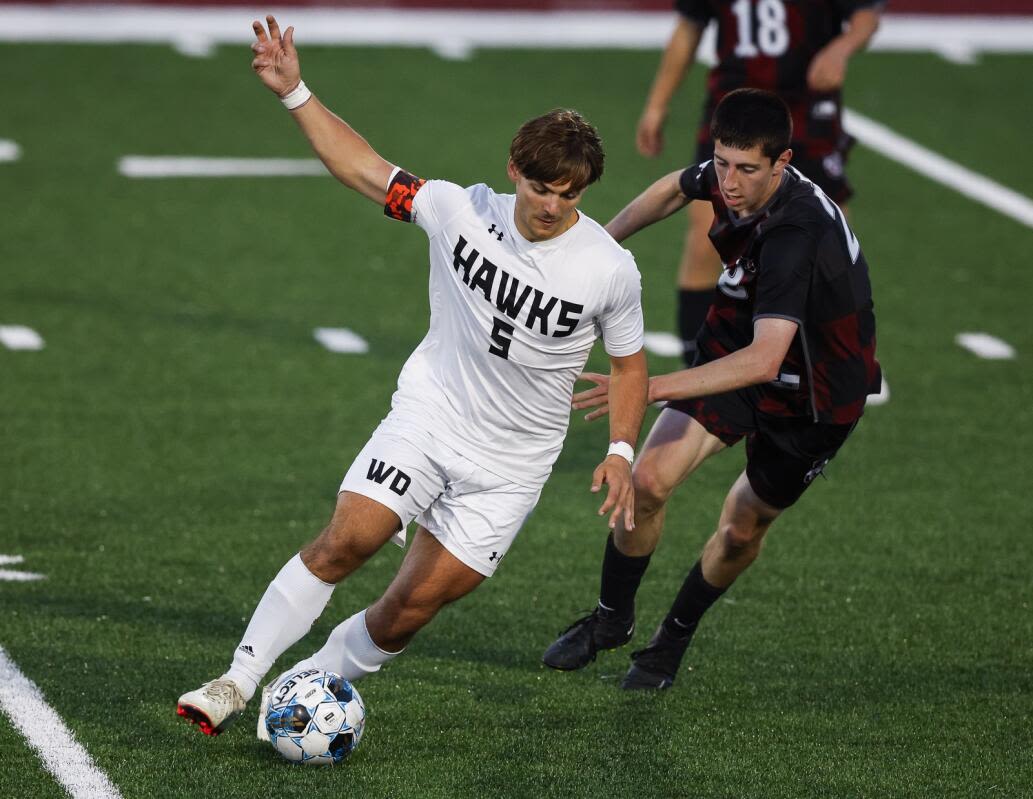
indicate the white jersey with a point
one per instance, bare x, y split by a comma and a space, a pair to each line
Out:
512, 323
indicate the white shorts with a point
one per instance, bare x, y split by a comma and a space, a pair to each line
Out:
473, 513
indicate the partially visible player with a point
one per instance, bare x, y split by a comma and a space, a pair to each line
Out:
520, 288
786, 359
795, 48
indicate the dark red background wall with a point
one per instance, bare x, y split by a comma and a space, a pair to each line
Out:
895, 6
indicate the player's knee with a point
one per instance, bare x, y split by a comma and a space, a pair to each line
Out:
739, 539
336, 553
651, 490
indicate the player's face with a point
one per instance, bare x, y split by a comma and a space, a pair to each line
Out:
543, 210
747, 178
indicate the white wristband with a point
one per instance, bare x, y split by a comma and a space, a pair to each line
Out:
622, 448
297, 97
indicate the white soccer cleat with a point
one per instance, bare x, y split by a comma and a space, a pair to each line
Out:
213, 707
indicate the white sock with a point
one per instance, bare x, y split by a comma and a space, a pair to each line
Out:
287, 610
349, 651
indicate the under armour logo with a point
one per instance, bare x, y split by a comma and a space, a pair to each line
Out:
495, 555
498, 233
247, 650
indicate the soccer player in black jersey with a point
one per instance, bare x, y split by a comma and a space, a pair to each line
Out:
796, 48
786, 359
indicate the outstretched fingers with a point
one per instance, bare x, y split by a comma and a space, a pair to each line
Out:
594, 397
629, 508
588, 397
620, 494
259, 31
274, 28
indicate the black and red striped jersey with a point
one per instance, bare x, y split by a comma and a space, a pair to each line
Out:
769, 44
794, 259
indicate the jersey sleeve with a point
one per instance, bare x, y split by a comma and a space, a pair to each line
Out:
696, 10
427, 203
694, 182
621, 324
848, 7
784, 274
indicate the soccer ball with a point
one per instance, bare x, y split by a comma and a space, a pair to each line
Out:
315, 717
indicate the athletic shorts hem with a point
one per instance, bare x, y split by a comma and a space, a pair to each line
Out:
775, 501
690, 408
456, 550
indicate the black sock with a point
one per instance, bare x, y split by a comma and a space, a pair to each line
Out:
692, 310
621, 576
695, 596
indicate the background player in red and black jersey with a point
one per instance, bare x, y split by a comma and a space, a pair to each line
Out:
795, 48
786, 360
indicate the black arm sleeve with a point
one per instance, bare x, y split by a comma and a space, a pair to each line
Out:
696, 10
848, 7
695, 181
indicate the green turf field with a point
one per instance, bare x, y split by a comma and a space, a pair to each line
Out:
182, 434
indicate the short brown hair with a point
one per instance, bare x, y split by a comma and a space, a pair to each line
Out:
747, 118
557, 147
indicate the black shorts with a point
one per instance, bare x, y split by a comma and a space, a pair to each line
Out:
783, 454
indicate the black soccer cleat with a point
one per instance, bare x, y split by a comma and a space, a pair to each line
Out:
578, 644
654, 668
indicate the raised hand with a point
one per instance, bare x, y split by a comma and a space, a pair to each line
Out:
276, 60
649, 135
827, 69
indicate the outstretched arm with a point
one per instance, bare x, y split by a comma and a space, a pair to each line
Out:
756, 363
674, 66
347, 155
657, 202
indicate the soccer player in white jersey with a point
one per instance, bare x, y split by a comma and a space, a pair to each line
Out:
520, 287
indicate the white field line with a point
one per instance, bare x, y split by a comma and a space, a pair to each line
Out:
71, 765
666, 345
9, 150
173, 166
12, 576
19, 337
341, 339
986, 346
934, 166
455, 33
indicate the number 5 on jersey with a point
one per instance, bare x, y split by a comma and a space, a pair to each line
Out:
502, 337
